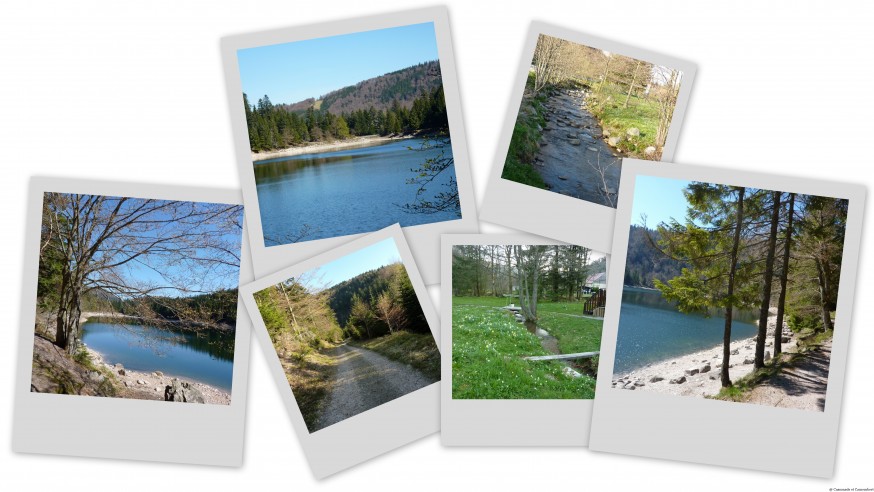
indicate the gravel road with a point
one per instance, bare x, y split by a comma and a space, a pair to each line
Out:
801, 386
364, 380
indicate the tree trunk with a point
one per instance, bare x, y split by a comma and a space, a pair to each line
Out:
766, 283
823, 296
631, 87
784, 276
726, 335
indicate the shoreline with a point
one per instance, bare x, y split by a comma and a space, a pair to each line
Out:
697, 374
155, 381
316, 148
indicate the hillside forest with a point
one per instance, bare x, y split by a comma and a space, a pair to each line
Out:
408, 101
752, 249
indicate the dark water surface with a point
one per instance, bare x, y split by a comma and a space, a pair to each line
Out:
207, 357
345, 192
651, 330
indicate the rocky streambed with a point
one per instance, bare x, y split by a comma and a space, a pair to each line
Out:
575, 157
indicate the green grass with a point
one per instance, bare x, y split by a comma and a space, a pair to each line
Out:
525, 141
641, 113
487, 351
416, 349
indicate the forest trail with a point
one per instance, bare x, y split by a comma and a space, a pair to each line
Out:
801, 386
573, 159
364, 380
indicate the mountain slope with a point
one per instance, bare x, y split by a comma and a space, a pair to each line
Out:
380, 92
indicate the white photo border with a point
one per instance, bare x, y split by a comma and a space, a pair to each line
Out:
423, 239
719, 432
501, 422
219, 428
548, 213
380, 429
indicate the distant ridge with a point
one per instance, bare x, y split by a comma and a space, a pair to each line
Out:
380, 92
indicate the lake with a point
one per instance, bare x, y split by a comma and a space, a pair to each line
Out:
651, 329
207, 357
345, 192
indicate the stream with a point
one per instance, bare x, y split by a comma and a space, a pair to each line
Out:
574, 160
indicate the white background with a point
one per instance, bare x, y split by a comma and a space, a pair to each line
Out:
134, 91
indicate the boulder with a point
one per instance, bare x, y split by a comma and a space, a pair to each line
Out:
649, 150
613, 141
705, 368
182, 391
628, 386
748, 360
691, 371
784, 339
633, 132
574, 141
140, 381
656, 379
679, 380
121, 372
735, 351
158, 374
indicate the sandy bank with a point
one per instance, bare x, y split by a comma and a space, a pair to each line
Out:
315, 148
699, 371
155, 382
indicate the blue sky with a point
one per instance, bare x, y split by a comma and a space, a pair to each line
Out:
374, 256
659, 198
291, 72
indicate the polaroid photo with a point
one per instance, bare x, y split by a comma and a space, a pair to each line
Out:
129, 305
581, 105
350, 336
726, 342
522, 318
345, 128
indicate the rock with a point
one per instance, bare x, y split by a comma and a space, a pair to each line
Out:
692, 371
706, 368
126, 384
591, 149
613, 141
628, 386
633, 132
574, 141
656, 379
584, 136
649, 150
735, 351
639, 383
673, 362
140, 381
768, 355
121, 372
182, 391
563, 178
714, 376
158, 374
544, 143
784, 339
718, 365
747, 360
679, 380
96, 376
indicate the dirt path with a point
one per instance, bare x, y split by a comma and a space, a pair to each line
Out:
801, 386
364, 380
574, 160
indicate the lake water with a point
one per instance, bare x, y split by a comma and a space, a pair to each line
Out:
651, 330
208, 358
345, 192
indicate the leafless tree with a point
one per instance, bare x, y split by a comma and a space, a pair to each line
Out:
134, 248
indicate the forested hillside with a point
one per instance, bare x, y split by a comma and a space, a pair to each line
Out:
403, 102
376, 302
644, 262
381, 92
